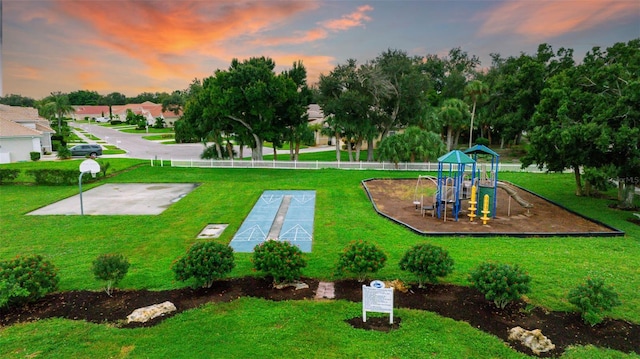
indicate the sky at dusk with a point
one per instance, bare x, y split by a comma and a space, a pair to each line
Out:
134, 46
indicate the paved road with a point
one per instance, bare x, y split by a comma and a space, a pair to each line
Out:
137, 147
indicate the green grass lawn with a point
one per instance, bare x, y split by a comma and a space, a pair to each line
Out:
248, 328
149, 130
165, 136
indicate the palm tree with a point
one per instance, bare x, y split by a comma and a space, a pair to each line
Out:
453, 114
475, 91
56, 105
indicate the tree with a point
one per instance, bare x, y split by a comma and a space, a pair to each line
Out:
84, 97
248, 99
476, 92
453, 113
174, 102
17, 100
414, 144
55, 106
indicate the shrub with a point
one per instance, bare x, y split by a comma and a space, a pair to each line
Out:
26, 279
427, 262
115, 122
110, 268
501, 283
48, 176
279, 259
35, 156
361, 258
205, 262
593, 298
64, 153
482, 141
8, 174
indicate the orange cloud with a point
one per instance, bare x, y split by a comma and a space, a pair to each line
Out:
27, 73
315, 65
344, 23
543, 19
356, 18
156, 32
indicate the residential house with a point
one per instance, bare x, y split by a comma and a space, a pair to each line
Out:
89, 113
148, 109
22, 131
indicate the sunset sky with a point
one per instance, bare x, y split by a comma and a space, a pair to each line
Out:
134, 46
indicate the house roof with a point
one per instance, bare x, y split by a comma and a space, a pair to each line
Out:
91, 110
14, 113
10, 128
14, 120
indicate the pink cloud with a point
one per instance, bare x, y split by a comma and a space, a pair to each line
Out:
152, 32
356, 18
542, 19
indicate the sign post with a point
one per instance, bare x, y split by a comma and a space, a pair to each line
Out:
377, 298
87, 166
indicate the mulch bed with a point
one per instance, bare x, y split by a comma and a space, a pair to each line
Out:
456, 302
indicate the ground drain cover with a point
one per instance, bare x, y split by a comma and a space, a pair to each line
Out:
212, 231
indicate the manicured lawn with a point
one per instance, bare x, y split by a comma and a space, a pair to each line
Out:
257, 328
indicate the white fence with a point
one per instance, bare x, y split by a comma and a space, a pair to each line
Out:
387, 166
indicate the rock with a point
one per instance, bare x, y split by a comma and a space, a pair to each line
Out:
297, 285
145, 314
532, 339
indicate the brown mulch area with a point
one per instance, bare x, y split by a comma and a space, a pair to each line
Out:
456, 302
394, 198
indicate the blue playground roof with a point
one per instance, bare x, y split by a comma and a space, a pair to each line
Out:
455, 156
481, 149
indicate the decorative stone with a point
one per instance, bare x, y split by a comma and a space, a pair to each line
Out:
145, 314
297, 285
532, 339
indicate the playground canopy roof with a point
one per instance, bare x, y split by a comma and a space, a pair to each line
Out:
455, 156
481, 149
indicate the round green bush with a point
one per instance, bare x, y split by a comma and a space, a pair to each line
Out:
482, 141
110, 268
279, 259
361, 258
205, 262
427, 262
500, 283
26, 279
593, 299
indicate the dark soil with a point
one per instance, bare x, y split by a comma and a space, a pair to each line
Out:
456, 302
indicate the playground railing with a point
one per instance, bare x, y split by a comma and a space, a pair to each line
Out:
386, 166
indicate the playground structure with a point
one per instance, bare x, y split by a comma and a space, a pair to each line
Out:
463, 178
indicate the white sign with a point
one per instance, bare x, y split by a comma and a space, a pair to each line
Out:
376, 299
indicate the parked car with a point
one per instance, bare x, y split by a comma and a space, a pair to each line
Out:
87, 149
102, 119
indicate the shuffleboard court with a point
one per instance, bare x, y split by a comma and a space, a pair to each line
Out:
278, 214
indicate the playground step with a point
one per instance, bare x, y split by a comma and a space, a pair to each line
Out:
325, 291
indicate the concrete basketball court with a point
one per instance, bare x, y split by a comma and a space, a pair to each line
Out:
121, 199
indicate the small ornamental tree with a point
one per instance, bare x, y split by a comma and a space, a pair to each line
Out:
500, 283
279, 259
26, 279
593, 298
427, 262
205, 262
361, 258
110, 268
